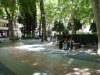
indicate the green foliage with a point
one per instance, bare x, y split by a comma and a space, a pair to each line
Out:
9, 5
27, 6
65, 30
77, 24
69, 26
62, 9
84, 39
1, 13
28, 36
82, 9
58, 26
49, 8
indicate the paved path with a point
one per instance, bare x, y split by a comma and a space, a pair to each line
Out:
13, 66
50, 59
27, 56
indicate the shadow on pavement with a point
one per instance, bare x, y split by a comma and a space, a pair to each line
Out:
5, 71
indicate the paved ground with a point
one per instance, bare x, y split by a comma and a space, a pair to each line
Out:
31, 57
10, 65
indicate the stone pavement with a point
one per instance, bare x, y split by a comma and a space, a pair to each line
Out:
48, 59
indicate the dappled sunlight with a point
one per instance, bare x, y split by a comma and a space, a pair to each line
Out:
97, 71
34, 64
18, 44
49, 43
53, 64
84, 71
70, 61
48, 47
78, 71
48, 58
31, 47
39, 74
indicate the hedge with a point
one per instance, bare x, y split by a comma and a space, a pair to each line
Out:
83, 38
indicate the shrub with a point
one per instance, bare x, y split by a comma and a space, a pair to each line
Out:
84, 39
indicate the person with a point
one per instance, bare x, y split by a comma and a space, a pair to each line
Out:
65, 44
70, 43
54, 38
62, 40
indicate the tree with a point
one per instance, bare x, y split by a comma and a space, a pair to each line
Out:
96, 9
11, 9
28, 14
77, 24
25, 9
44, 35
58, 26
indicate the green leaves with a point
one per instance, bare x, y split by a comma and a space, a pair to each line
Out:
58, 26
9, 6
27, 6
59, 9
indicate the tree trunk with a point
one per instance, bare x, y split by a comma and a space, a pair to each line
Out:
73, 24
11, 30
40, 28
96, 9
44, 35
34, 19
30, 24
72, 19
